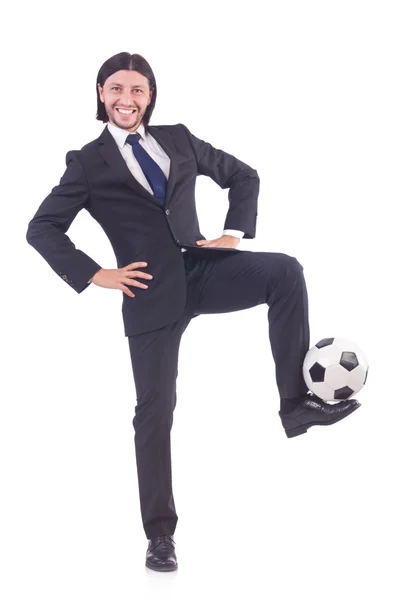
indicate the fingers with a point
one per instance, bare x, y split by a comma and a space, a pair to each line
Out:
216, 244
129, 273
134, 283
205, 242
136, 265
138, 274
127, 291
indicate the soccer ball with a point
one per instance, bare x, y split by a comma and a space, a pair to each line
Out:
335, 369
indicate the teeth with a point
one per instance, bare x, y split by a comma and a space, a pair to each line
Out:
125, 112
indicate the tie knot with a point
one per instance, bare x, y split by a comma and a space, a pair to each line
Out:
133, 138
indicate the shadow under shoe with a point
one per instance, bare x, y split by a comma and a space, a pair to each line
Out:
314, 411
160, 555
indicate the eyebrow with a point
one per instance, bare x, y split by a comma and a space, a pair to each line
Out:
121, 85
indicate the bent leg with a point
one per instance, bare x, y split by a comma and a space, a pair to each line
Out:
245, 279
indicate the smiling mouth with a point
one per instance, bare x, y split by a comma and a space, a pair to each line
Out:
126, 114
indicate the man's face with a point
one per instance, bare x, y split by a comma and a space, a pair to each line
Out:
129, 90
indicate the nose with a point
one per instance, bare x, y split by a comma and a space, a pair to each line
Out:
127, 100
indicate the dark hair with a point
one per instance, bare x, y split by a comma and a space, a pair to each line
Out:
124, 61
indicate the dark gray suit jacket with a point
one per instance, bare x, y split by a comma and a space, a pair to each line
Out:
138, 226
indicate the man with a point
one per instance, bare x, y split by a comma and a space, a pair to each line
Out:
138, 182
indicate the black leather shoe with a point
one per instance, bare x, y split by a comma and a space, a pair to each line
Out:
160, 555
314, 411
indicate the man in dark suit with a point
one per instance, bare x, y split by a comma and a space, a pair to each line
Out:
138, 182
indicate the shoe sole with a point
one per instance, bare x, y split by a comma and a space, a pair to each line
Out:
164, 568
294, 431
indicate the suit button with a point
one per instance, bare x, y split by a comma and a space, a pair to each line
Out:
167, 212
178, 241
64, 276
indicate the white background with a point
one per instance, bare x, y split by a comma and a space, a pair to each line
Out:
304, 92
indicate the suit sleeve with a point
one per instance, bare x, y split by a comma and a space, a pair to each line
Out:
230, 172
47, 229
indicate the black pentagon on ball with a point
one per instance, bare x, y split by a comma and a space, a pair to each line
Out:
325, 342
366, 375
343, 393
349, 360
317, 373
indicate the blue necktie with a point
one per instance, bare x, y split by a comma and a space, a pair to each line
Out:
153, 173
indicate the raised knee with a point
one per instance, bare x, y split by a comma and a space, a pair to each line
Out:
291, 263
296, 262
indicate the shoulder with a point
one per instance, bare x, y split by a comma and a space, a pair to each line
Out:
87, 148
176, 129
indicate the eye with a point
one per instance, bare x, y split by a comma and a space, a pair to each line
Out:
116, 87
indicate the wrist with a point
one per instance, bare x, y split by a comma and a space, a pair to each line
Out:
93, 277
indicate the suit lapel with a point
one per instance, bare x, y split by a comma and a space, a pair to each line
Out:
112, 155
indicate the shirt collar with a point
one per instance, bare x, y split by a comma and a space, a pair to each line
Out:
120, 135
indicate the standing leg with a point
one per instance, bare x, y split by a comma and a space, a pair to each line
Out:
154, 358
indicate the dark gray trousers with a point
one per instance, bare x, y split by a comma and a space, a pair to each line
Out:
234, 281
